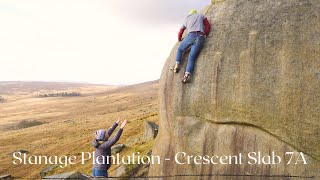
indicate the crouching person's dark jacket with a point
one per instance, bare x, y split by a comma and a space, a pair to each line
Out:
102, 157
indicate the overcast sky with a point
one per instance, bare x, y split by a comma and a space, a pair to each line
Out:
95, 41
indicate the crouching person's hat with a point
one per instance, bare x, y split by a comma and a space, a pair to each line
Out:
100, 134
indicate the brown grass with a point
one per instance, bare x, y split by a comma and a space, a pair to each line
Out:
71, 122
22, 124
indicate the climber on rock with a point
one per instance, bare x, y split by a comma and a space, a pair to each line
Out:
198, 28
103, 145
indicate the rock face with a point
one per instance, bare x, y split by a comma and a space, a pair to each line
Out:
150, 131
22, 151
44, 172
256, 87
117, 148
121, 171
68, 175
6, 177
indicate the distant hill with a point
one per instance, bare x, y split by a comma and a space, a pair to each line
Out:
10, 87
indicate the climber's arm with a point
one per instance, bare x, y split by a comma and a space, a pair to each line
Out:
206, 26
181, 32
114, 126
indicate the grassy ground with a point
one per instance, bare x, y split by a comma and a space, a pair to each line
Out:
69, 123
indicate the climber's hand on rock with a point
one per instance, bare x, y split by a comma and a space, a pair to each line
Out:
123, 124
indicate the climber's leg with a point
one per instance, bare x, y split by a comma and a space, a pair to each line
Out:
185, 44
195, 50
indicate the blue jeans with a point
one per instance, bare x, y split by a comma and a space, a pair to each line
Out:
196, 42
99, 173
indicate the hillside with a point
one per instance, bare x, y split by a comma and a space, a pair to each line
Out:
13, 90
69, 122
14, 87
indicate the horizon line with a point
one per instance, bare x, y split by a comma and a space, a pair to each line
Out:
75, 82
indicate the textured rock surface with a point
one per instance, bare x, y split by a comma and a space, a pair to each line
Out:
68, 175
150, 131
117, 148
6, 177
121, 171
256, 87
44, 172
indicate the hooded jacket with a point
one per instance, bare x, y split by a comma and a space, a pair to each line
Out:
102, 159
